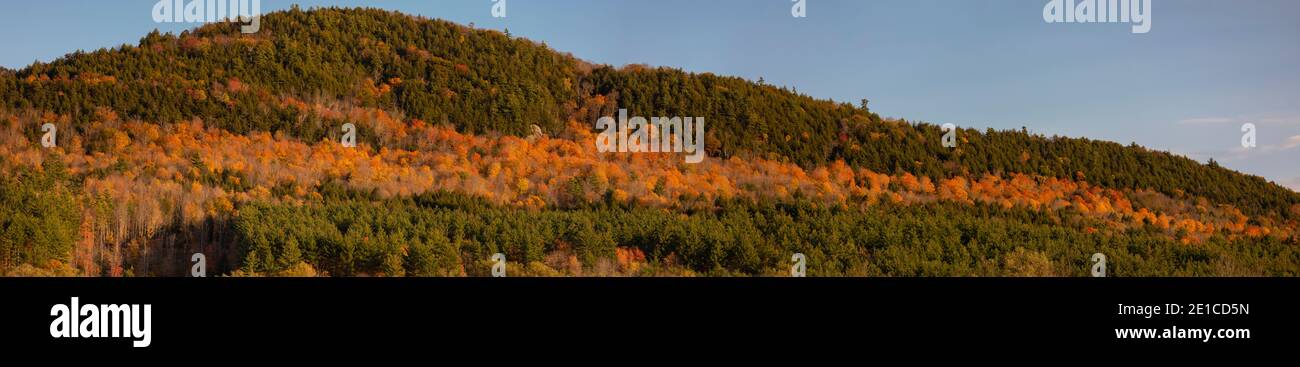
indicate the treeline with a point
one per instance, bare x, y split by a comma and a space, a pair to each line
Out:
451, 234
894, 148
487, 81
750, 119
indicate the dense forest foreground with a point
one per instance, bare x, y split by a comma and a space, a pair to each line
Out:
473, 142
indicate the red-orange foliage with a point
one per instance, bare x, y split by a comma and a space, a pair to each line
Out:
414, 157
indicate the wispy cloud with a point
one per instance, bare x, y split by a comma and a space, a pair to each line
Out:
1287, 120
1291, 142
1206, 121
1288, 144
1291, 183
1293, 120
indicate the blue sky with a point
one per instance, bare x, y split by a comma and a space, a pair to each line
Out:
1205, 68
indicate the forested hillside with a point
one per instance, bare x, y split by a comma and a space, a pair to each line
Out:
219, 142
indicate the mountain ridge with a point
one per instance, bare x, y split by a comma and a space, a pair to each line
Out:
465, 87
169, 140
